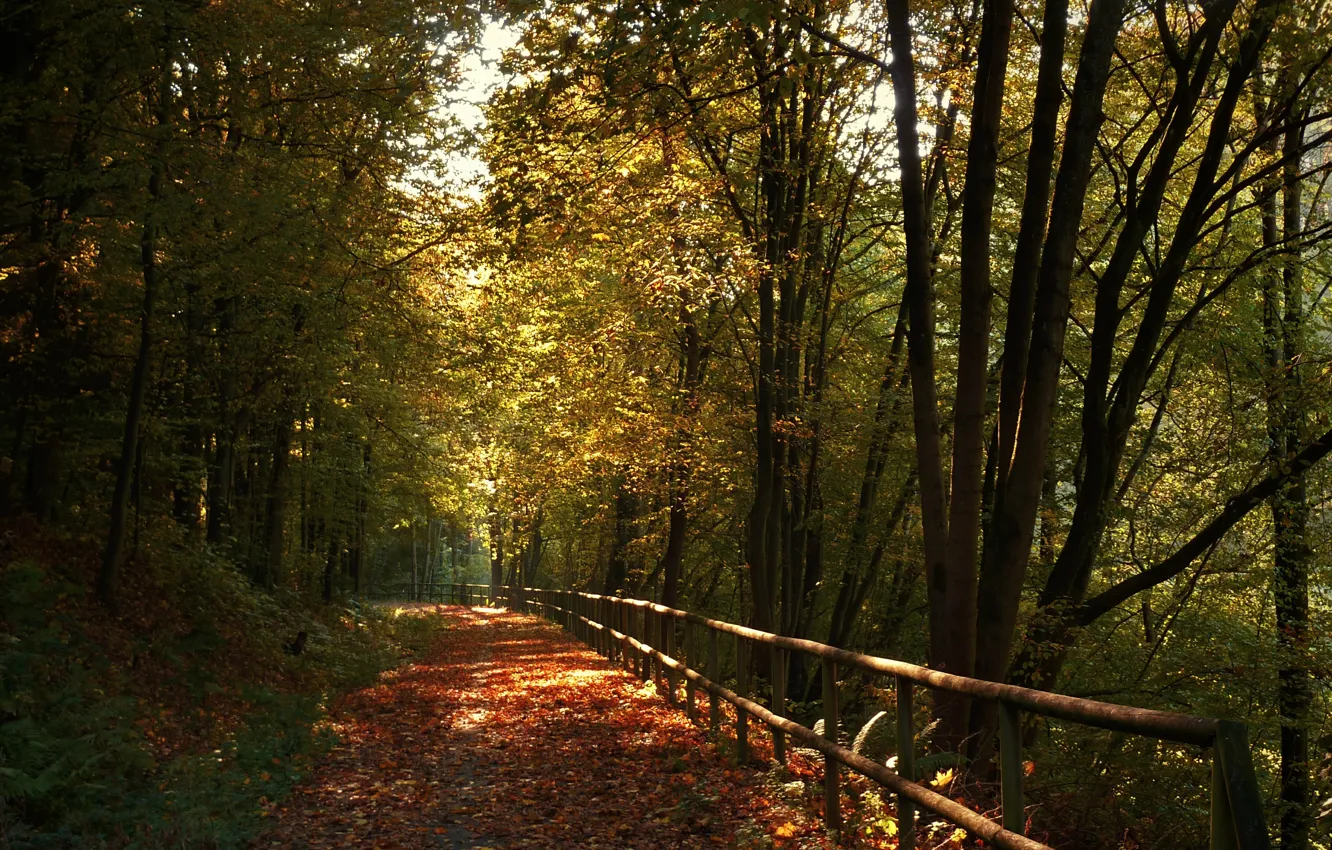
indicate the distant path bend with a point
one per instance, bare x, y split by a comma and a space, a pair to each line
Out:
510, 734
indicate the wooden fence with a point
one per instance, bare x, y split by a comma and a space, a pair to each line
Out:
620, 629
439, 591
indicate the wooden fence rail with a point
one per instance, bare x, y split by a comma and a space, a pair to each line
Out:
436, 591
628, 631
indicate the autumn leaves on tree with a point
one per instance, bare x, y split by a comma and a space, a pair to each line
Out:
1030, 232
991, 335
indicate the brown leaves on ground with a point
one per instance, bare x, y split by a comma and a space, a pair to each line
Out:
510, 734
150, 650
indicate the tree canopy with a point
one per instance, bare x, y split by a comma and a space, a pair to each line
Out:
995, 336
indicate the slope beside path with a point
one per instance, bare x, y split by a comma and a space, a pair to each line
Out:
510, 734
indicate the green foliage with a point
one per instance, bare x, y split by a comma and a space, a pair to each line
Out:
88, 754
669, 314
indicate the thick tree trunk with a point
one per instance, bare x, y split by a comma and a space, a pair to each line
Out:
1109, 411
957, 654
1018, 500
1282, 319
617, 567
1031, 231
693, 357
919, 296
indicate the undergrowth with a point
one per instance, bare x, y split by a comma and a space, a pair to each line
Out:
179, 723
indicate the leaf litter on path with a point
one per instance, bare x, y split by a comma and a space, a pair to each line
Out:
510, 734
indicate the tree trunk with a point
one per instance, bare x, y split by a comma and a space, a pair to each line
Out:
415, 595
186, 494
276, 514
46, 461
108, 579
1031, 231
958, 652
617, 567
919, 296
1289, 506
1004, 566
1110, 411
693, 357
330, 567
497, 549
673, 558
854, 588
7, 490
356, 560
223, 471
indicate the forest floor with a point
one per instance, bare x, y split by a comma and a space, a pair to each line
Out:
509, 734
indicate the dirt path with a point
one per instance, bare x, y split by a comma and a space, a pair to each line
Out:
510, 734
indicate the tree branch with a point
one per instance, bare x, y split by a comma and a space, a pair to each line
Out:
1235, 510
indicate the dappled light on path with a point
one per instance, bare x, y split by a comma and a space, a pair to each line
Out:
509, 734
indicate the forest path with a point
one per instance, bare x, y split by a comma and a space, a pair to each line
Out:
510, 734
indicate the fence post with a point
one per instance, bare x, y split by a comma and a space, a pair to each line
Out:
906, 764
649, 640
654, 640
603, 617
741, 688
627, 625
1237, 805
630, 615
622, 623
779, 661
645, 659
644, 638
644, 626
668, 625
691, 663
832, 794
1223, 830
1010, 767
714, 673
